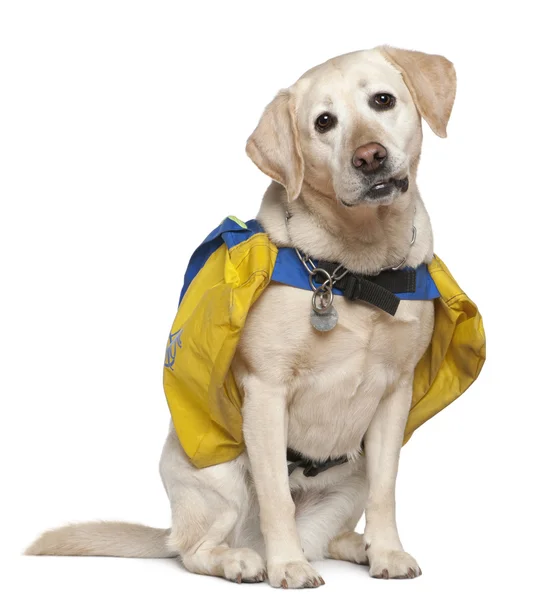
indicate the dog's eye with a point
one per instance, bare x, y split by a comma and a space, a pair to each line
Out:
325, 122
383, 101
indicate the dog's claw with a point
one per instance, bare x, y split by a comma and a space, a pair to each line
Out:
321, 581
239, 578
411, 573
385, 574
284, 584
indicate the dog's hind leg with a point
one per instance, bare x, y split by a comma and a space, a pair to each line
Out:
349, 546
326, 519
208, 507
211, 555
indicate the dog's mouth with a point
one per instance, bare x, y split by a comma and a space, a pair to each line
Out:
385, 188
381, 192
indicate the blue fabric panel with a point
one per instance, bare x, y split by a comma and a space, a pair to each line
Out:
288, 268
229, 232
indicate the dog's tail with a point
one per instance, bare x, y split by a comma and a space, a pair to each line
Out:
104, 538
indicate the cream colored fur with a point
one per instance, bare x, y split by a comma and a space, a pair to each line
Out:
319, 393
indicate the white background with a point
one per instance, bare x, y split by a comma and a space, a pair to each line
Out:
122, 133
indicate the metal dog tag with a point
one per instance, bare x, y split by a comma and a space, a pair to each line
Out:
325, 321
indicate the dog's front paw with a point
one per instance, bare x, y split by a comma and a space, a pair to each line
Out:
296, 574
392, 564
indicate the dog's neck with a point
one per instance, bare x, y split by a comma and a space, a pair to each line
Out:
362, 239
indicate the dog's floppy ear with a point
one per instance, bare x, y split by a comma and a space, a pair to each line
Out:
432, 82
274, 147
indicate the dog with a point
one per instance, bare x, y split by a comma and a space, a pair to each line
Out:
342, 147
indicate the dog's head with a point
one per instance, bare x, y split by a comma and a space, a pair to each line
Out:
350, 128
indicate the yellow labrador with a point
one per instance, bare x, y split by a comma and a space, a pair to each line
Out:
342, 146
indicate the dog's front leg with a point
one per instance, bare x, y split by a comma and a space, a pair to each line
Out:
382, 444
265, 422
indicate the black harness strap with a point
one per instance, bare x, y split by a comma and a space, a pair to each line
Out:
310, 467
378, 290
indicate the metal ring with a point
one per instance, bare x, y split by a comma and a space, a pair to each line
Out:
323, 309
398, 266
405, 260
413, 235
327, 284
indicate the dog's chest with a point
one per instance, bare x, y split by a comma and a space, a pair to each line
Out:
334, 380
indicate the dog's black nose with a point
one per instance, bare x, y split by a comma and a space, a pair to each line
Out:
370, 157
